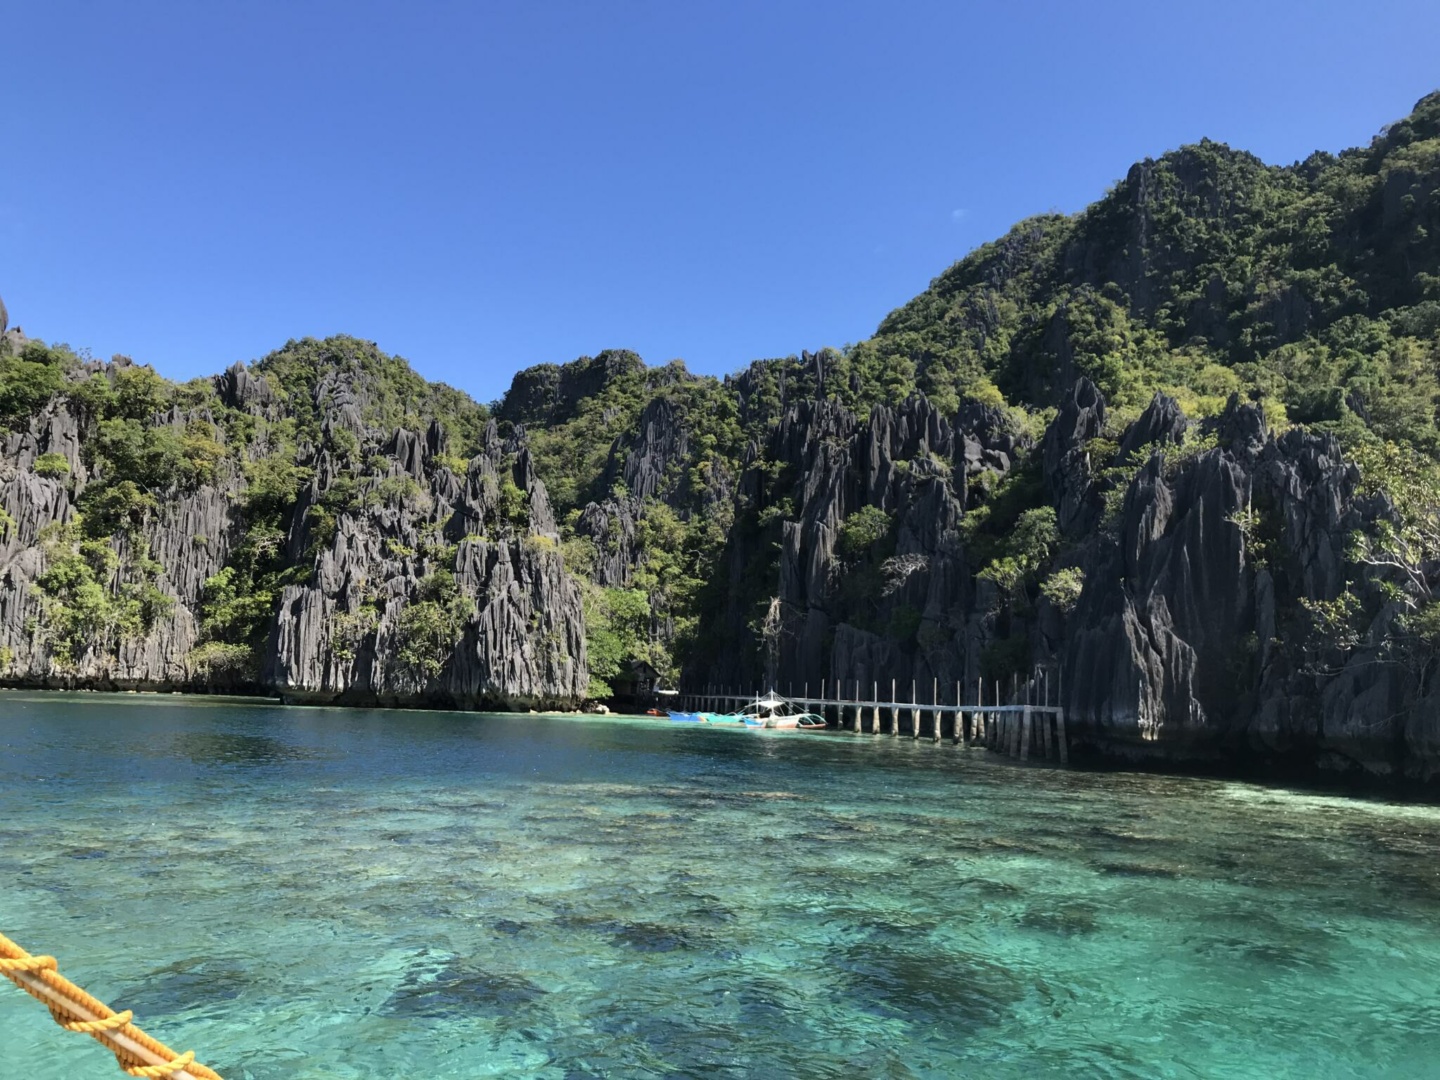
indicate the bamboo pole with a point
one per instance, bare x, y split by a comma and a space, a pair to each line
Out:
64, 1008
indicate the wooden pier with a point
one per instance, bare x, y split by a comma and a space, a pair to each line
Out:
1025, 723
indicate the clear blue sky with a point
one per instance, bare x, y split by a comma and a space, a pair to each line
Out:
484, 186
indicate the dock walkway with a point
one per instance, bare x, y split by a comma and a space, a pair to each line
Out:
1028, 724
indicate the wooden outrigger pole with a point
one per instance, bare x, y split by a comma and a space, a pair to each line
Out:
75, 1010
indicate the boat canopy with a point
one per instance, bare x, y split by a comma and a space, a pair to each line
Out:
769, 704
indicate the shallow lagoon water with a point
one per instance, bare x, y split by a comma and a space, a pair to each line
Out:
308, 893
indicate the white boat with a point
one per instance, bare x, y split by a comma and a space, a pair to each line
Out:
773, 711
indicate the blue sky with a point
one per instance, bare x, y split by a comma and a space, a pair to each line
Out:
481, 187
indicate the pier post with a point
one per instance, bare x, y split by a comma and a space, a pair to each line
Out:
914, 713
972, 733
935, 713
990, 719
1025, 734
894, 712
977, 719
958, 733
1060, 736
1000, 723
855, 724
874, 707
1015, 717
998, 742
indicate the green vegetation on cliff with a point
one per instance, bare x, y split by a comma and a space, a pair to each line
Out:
1312, 289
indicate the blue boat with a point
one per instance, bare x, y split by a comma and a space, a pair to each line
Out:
689, 717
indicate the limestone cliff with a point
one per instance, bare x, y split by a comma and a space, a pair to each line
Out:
1203, 551
385, 534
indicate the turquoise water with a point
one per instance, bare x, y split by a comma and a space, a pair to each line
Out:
307, 893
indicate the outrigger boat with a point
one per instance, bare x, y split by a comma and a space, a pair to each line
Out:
770, 711
689, 717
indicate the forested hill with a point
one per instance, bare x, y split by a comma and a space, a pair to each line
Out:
1182, 445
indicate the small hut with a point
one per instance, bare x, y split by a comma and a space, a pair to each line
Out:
637, 684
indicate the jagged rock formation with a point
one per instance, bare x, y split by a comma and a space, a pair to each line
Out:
841, 615
522, 643
387, 522
37, 505
1199, 651
1187, 642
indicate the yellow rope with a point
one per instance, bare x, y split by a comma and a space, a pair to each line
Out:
89, 1027
111, 1029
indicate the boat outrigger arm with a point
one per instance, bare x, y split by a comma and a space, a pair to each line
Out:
75, 1010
